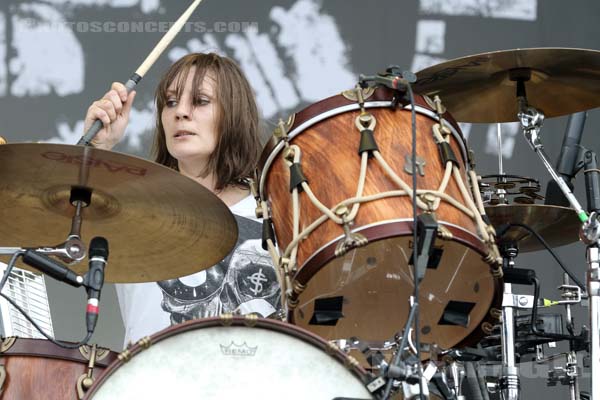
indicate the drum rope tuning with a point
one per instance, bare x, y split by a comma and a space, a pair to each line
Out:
428, 200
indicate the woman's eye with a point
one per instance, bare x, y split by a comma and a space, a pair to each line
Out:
171, 103
202, 101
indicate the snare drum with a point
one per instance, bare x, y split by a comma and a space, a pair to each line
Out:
35, 369
335, 184
232, 358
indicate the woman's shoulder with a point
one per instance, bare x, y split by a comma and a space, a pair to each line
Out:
246, 208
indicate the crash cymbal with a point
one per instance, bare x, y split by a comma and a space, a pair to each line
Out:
480, 88
557, 225
159, 223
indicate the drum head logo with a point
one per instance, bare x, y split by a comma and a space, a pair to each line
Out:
234, 349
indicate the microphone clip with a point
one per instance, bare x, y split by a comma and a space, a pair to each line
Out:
393, 77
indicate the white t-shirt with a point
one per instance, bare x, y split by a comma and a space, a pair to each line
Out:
243, 282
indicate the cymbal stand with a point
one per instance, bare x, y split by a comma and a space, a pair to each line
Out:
508, 382
569, 374
531, 121
501, 192
73, 249
571, 295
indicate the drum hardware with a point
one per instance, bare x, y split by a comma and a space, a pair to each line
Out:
528, 347
505, 189
456, 372
85, 381
93, 281
508, 383
393, 78
406, 370
570, 160
567, 375
73, 249
531, 123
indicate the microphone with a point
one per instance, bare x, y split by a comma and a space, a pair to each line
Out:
98, 254
391, 81
52, 268
568, 160
592, 181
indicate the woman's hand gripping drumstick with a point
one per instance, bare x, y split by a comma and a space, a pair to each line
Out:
101, 109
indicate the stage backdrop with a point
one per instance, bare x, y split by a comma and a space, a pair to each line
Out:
57, 56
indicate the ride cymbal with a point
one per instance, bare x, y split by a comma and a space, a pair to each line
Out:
482, 88
558, 226
159, 223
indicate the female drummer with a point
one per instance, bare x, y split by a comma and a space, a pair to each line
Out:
207, 129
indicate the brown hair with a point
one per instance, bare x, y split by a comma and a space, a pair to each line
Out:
236, 153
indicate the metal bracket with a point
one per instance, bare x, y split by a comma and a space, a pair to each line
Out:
570, 294
519, 301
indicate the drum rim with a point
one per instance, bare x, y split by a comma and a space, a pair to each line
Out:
238, 321
338, 104
28, 347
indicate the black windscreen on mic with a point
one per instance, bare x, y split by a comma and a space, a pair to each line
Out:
567, 165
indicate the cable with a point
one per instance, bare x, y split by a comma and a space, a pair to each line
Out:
414, 312
413, 124
36, 326
10, 266
547, 246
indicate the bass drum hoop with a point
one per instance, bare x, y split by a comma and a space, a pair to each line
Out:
227, 321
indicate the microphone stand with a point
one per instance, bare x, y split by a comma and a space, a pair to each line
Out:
531, 121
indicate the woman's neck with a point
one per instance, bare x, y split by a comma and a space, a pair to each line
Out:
230, 194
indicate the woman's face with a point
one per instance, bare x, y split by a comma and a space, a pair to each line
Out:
191, 124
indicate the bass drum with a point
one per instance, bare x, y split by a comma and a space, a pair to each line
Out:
232, 358
36, 369
335, 184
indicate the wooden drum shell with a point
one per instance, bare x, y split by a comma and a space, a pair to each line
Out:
326, 134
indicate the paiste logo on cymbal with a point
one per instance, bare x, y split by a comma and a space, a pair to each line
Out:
94, 163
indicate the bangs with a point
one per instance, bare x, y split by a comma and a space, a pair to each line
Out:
177, 77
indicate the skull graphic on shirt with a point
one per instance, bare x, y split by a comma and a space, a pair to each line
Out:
231, 286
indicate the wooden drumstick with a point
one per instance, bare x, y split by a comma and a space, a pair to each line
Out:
131, 83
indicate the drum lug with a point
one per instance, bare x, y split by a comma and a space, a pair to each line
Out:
280, 133
226, 319
444, 233
125, 355
487, 328
351, 241
251, 320
354, 95
145, 342
7, 343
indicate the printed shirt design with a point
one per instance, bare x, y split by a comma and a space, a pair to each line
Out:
242, 283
